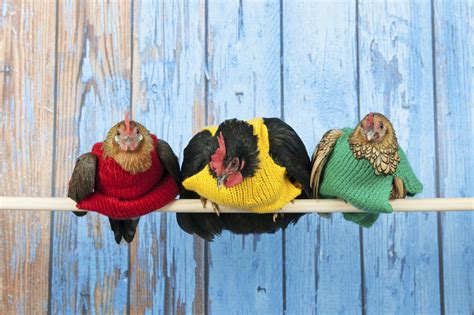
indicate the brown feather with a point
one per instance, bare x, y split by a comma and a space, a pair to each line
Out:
320, 157
137, 161
398, 189
82, 182
382, 155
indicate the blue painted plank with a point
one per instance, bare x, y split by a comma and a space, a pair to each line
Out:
320, 93
26, 145
454, 60
89, 270
396, 78
245, 272
167, 265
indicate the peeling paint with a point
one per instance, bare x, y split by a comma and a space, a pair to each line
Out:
386, 75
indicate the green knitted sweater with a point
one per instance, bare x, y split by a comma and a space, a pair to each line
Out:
355, 181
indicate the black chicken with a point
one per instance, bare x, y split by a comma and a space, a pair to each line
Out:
259, 165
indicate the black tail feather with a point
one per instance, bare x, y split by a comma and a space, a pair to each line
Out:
80, 213
125, 229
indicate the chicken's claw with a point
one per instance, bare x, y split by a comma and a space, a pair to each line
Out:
275, 216
215, 206
203, 202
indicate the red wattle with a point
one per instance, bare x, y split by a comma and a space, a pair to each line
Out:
233, 180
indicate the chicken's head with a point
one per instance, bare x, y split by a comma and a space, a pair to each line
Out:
127, 135
235, 156
375, 127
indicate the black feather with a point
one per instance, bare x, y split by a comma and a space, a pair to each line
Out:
125, 229
288, 150
203, 224
169, 160
197, 154
240, 142
209, 225
250, 223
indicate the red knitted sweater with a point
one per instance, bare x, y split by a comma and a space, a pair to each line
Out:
121, 195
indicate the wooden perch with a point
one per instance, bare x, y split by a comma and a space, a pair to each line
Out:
193, 205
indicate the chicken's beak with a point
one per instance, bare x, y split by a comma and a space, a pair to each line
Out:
370, 135
131, 143
221, 180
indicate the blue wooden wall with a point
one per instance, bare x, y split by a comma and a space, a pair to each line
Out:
69, 69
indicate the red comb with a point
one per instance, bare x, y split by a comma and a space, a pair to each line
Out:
127, 123
370, 119
217, 159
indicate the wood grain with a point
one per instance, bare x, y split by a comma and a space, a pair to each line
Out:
245, 272
89, 270
156, 52
26, 143
396, 78
454, 60
320, 91
167, 265
299, 205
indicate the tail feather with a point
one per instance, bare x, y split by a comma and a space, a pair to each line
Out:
115, 226
203, 224
125, 229
80, 213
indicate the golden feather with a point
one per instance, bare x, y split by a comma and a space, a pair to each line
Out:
134, 162
382, 155
320, 157
398, 189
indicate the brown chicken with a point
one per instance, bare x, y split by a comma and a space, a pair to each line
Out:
373, 139
128, 175
338, 169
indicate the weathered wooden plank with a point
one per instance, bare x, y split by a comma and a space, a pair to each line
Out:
396, 78
454, 61
89, 270
323, 272
245, 273
167, 265
27, 34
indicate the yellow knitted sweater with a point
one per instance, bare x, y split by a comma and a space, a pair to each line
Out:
267, 191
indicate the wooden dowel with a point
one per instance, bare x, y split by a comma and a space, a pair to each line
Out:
193, 205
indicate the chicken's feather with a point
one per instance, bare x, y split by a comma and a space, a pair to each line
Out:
197, 154
320, 157
169, 160
288, 150
398, 189
383, 155
82, 182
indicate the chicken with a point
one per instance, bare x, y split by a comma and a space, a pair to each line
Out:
258, 165
128, 175
364, 166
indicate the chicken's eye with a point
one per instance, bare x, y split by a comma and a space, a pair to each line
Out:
234, 163
118, 133
138, 132
381, 125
